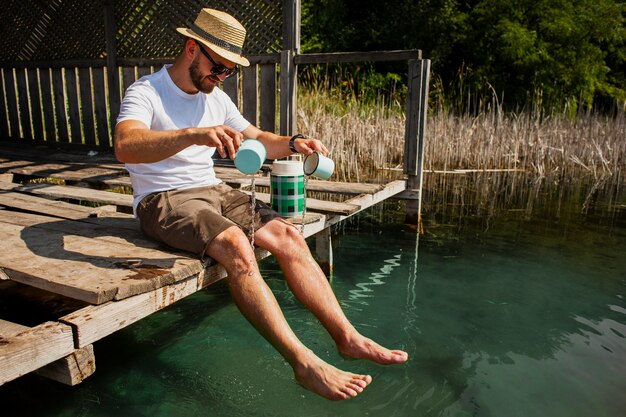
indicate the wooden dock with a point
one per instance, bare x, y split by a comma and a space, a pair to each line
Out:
72, 250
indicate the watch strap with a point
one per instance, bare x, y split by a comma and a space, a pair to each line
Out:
292, 145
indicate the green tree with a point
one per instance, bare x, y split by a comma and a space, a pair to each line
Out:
561, 52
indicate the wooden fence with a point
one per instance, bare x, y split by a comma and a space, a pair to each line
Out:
70, 103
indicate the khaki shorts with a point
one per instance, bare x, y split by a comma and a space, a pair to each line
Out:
190, 219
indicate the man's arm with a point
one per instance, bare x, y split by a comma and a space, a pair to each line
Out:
278, 146
134, 142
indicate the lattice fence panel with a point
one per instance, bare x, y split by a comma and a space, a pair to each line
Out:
51, 30
147, 29
42, 30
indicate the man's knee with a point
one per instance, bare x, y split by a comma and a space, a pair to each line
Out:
232, 249
282, 238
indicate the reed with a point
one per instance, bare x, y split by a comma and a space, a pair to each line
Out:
490, 152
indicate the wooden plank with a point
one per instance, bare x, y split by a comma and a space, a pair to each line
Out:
86, 106
100, 106
31, 349
94, 262
267, 105
59, 105
128, 77
4, 122
317, 205
324, 251
47, 104
73, 106
35, 104
415, 132
77, 193
373, 56
143, 70
349, 188
72, 154
230, 86
72, 369
70, 172
11, 99
40, 205
92, 323
113, 73
22, 91
64, 63
250, 94
287, 93
10, 329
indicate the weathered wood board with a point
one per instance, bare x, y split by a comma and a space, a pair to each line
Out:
90, 261
319, 205
35, 204
70, 370
28, 350
92, 323
71, 192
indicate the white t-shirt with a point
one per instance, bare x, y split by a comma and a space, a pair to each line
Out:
157, 102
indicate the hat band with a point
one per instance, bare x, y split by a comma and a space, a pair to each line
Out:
217, 41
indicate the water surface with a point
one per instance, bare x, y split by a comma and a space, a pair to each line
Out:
511, 315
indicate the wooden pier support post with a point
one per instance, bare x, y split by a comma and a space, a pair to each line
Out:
324, 251
417, 107
47, 349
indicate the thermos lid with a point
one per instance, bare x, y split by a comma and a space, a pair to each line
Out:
287, 168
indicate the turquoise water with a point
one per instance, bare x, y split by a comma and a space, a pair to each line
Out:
502, 316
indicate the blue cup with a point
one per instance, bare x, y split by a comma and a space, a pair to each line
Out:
250, 156
318, 165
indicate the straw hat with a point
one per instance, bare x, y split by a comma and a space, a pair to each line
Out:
221, 32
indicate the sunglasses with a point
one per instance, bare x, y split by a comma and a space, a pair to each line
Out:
218, 69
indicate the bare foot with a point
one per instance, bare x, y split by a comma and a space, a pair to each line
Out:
330, 382
360, 347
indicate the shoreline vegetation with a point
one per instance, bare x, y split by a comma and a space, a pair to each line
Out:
488, 160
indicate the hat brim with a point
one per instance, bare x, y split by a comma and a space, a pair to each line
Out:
224, 53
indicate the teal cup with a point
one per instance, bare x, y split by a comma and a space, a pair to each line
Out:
250, 156
319, 166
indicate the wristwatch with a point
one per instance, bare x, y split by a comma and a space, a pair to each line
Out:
292, 145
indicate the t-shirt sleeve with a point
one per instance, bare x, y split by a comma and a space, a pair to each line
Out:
233, 117
136, 105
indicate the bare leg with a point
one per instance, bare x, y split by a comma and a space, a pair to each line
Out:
311, 287
258, 304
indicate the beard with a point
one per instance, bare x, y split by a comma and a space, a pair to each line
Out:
197, 77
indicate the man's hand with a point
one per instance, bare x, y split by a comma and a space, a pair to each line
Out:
223, 138
307, 146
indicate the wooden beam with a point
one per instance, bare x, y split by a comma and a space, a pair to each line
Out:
75, 193
113, 74
287, 94
92, 323
415, 133
324, 251
373, 56
70, 370
25, 202
33, 348
318, 205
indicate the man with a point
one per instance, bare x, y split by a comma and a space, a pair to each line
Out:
170, 124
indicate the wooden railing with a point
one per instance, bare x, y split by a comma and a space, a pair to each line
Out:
70, 103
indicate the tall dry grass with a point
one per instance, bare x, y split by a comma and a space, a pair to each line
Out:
494, 154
